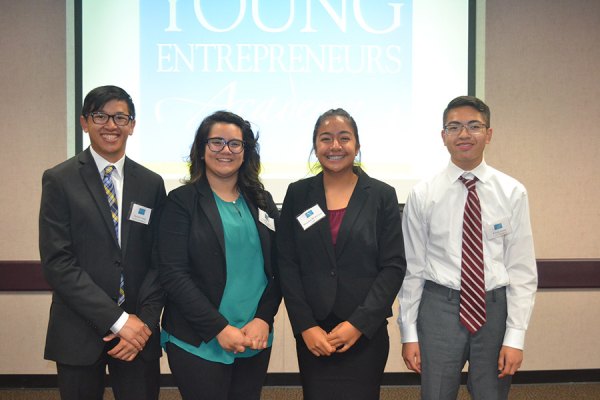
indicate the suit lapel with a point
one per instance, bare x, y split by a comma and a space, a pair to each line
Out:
131, 186
355, 205
209, 207
316, 195
91, 177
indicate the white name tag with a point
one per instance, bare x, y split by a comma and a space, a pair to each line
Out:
266, 220
310, 217
498, 229
140, 214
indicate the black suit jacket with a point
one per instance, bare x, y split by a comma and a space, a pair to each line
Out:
359, 278
82, 260
193, 267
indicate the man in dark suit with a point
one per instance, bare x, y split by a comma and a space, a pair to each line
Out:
98, 215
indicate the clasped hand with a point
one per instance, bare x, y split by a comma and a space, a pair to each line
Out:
339, 340
254, 335
133, 336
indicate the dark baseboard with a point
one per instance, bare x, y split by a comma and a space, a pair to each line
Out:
553, 274
293, 379
412, 379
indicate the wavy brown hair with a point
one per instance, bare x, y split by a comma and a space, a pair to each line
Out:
248, 180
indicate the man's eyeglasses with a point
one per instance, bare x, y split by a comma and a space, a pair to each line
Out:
474, 128
217, 144
102, 118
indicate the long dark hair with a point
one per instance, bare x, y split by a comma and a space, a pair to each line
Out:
248, 181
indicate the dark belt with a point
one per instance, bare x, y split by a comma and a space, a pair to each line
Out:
455, 294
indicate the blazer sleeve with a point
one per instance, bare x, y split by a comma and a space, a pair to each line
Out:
151, 297
61, 267
299, 311
175, 270
391, 264
271, 298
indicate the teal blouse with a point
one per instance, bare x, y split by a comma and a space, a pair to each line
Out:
246, 280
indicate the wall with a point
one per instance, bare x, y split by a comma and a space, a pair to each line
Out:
543, 86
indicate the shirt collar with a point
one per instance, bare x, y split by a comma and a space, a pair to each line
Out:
481, 172
102, 163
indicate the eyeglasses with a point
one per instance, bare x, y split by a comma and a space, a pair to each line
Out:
102, 118
474, 128
217, 144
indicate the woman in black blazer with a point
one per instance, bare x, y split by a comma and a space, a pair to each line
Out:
341, 262
217, 266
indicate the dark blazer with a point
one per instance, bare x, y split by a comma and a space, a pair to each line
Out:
193, 267
82, 260
359, 278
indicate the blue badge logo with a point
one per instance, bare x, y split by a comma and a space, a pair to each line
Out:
497, 226
309, 213
141, 211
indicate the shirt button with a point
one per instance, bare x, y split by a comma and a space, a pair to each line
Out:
332, 273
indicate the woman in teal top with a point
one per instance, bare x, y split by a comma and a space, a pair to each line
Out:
217, 266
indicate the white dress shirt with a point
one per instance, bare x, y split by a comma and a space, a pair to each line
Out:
117, 179
432, 227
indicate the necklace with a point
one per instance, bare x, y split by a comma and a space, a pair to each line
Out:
237, 208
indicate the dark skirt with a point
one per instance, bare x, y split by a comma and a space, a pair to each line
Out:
355, 374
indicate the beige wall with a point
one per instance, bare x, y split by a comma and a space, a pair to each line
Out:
543, 86
541, 81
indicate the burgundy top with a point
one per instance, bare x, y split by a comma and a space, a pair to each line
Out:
335, 220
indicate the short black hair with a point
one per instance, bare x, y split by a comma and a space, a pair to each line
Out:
469, 101
98, 97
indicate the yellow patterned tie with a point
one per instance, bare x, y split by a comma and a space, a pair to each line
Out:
111, 195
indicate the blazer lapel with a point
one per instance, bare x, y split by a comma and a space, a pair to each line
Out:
263, 235
91, 177
209, 207
355, 205
316, 195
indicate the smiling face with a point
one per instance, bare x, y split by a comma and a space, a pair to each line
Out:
223, 164
109, 139
466, 149
336, 145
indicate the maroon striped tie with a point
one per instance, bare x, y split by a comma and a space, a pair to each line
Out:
472, 285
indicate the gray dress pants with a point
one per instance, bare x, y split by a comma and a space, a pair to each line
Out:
446, 346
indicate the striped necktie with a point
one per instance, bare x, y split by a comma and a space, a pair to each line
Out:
472, 286
111, 195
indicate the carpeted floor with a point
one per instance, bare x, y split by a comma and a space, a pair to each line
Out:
566, 391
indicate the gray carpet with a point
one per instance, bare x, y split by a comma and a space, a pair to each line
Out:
568, 391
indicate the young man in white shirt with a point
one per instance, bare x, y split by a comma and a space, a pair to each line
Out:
438, 334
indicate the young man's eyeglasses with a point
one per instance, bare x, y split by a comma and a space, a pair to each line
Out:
102, 118
474, 128
217, 144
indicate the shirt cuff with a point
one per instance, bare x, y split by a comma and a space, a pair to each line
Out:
120, 323
409, 333
514, 338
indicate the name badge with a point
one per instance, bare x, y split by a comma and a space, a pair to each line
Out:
266, 220
498, 229
140, 214
310, 217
